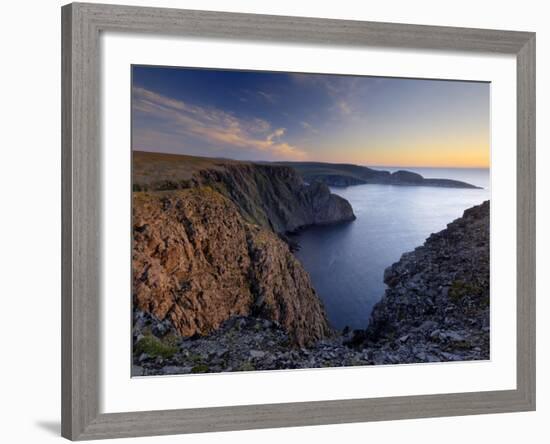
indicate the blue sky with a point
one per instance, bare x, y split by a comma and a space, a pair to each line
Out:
253, 115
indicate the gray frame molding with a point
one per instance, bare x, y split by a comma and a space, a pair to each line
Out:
81, 168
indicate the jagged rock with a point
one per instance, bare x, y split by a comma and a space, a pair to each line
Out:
257, 354
197, 262
438, 297
451, 335
428, 325
255, 346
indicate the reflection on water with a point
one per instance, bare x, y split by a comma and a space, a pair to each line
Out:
346, 262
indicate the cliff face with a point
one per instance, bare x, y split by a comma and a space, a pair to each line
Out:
198, 262
206, 249
276, 197
272, 196
437, 304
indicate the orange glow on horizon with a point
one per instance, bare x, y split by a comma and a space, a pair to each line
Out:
465, 152
466, 158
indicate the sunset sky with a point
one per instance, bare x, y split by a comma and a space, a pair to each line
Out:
282, 116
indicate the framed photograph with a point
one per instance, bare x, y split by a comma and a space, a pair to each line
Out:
278, 221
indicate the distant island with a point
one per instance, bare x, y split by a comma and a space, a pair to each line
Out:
345, 174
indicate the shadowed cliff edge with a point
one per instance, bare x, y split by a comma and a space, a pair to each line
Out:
272, 196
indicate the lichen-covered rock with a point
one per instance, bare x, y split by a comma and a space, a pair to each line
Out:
197, 262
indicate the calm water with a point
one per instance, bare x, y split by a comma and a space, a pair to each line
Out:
346, 262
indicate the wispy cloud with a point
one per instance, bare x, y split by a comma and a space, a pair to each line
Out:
309, 127
341, 91
213, 126
270, 97
344, 107
248, 95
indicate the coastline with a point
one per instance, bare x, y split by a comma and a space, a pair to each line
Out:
246, 343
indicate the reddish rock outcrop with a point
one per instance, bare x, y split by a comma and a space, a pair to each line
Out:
197, 262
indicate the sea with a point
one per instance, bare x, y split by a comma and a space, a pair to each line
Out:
346, 261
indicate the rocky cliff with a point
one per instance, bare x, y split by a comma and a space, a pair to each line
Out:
436, 307
208, 243
272, 196
197, 261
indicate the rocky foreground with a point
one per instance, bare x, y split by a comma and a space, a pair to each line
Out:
436, 309
242, 343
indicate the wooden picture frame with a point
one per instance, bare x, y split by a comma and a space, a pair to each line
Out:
81, 171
